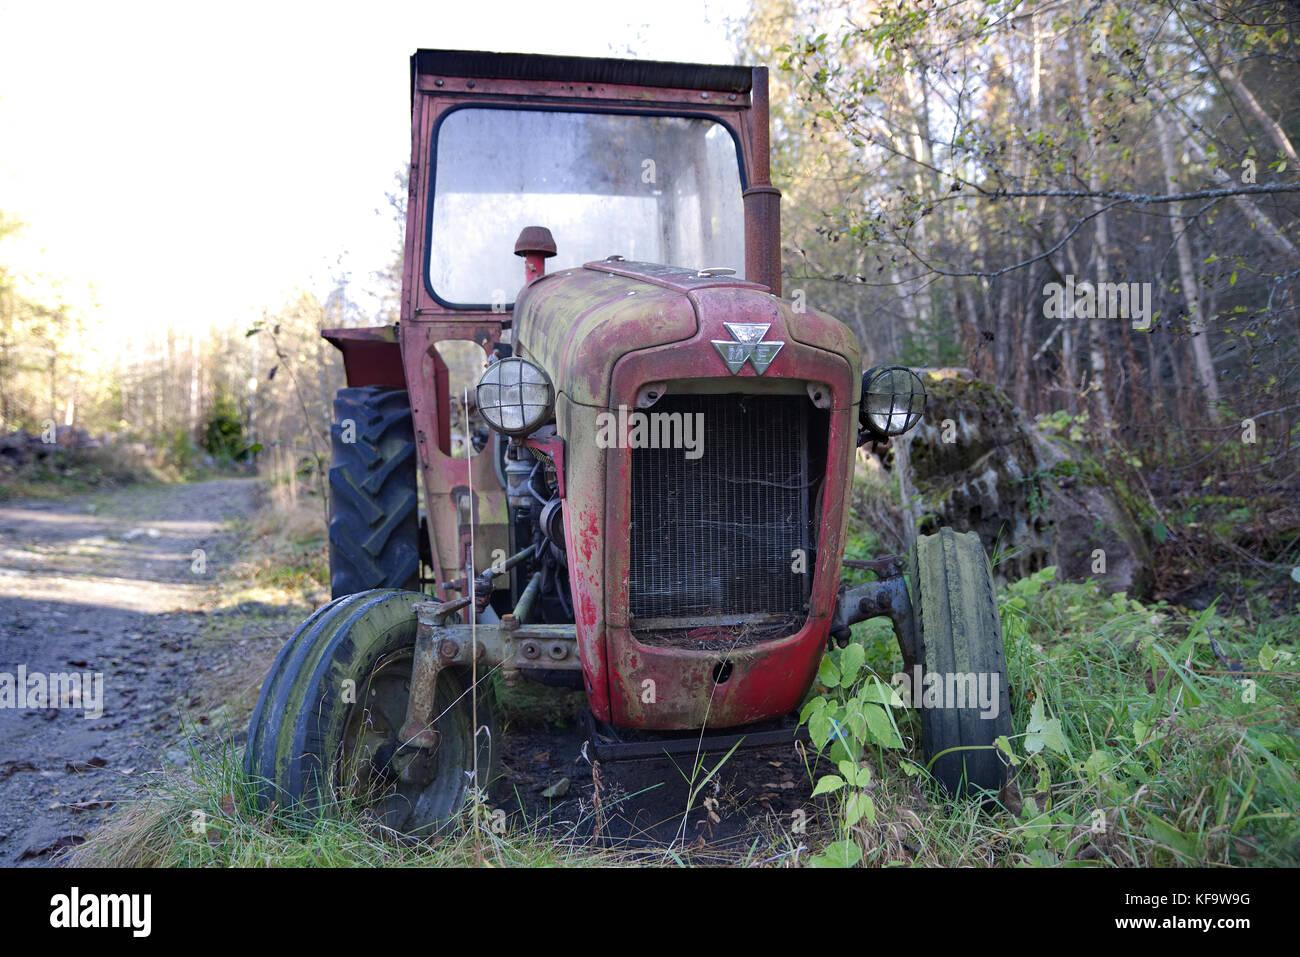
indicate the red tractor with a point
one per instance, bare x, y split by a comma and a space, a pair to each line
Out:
653, 507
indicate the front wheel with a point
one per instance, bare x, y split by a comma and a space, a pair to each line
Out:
325, 729
963, 699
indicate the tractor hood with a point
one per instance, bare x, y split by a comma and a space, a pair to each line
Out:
578, 323
624, 336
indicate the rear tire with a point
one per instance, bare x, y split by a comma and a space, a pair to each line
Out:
955, 616
374, 515
325, 729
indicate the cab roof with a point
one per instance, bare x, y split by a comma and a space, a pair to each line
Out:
580, 69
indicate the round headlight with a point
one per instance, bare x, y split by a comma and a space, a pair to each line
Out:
893, 399
514, 396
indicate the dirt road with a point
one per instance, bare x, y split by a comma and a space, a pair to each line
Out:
108, 590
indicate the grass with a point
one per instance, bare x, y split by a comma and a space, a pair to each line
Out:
205, 817
1134, 743
1154, 752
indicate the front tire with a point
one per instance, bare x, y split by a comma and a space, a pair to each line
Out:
958, 632
325, 729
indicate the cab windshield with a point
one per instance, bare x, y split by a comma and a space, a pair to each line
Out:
662, 189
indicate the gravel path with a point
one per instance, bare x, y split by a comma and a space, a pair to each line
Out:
111, 585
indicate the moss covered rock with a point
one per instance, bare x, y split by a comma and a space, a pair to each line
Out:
975, 463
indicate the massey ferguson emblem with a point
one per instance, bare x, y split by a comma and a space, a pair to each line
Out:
748, 346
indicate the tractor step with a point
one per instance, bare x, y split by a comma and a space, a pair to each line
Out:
609, 744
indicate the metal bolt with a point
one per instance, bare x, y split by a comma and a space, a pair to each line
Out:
448, 649
558, 650
531, 651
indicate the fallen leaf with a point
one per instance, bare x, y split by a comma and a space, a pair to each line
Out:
1010, 797
558, 789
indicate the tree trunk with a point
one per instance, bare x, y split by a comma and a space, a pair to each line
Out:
1275, 131
1096, 332
1187, 279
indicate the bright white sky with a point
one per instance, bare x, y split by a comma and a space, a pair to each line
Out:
203, 162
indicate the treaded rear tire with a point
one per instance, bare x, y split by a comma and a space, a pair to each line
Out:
374, 515
955, 613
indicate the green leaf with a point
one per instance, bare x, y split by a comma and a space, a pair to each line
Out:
1041, 857
1004, 745
1165, 833
828, 784
812, 707
1043, 731
1140, 732
819, 729
851, 663
881, 728
848, 769
879, 693
838, 751
827, 673
1098, 763
858, 806
839, 854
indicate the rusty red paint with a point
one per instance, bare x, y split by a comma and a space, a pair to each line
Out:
371, 356
426, 376
769, 679
613, 345
536, 245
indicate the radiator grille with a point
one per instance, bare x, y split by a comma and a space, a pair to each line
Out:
714, 536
